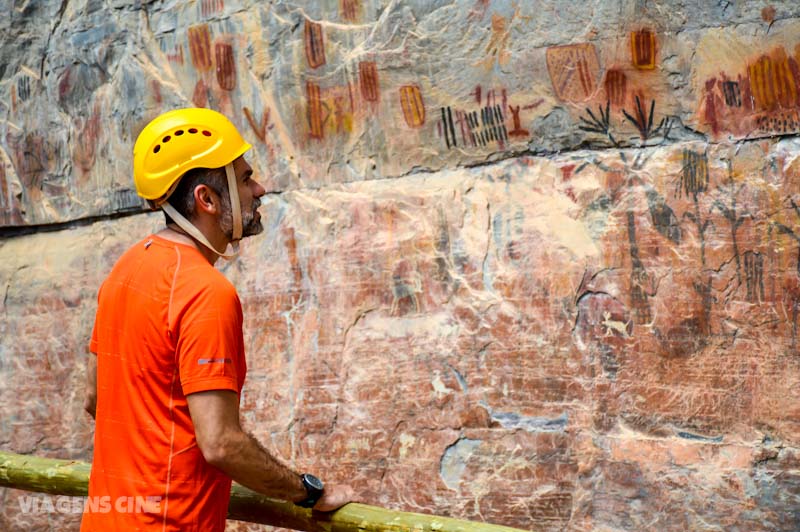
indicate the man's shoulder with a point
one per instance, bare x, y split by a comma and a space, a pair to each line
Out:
200, 276
209, 278
207, 291
176, 268
132, 258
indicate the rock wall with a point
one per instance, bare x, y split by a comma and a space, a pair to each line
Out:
531, 263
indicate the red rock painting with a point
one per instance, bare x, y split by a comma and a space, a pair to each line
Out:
64, 84
616, 85
85, 148
34, 157
176, 55
316, 117
4, 192
294, 262
210, 8
226, 66
763, 98
200, 47
768, 14
9, 205
259, 128
711, 106
497, 49
155, 89
478, 93
200, 94
350, 10
643, 49
315, 44
330, 109
342, 112
574, 71
489, 97
368, 80
773, 81
478, 10
412, 105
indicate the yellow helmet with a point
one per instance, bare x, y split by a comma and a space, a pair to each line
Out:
178, 141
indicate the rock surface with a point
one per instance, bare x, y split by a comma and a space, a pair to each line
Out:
530, 263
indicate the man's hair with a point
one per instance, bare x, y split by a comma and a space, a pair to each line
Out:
182, 199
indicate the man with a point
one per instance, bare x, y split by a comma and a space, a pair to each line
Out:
164, 386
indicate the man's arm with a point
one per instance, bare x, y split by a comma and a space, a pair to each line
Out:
215, 415
90, 399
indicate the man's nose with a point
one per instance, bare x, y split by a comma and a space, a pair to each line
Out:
258, 189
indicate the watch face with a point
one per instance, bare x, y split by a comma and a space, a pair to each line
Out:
313, 481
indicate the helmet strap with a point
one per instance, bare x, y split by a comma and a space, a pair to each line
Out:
194, 232
233, 191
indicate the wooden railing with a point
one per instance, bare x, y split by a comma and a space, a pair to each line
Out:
70, 477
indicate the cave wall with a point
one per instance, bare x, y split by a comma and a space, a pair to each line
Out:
536, 264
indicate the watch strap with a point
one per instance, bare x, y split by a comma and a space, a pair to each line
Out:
314, 490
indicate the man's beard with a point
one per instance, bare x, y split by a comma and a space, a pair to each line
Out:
251, 224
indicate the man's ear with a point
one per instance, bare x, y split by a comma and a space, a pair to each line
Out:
205, 199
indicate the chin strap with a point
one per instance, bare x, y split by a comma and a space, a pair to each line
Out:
195, 233
233, 191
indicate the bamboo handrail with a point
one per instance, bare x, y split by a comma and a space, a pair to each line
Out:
71, 477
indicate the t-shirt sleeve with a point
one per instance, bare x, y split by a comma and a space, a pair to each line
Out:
210, 339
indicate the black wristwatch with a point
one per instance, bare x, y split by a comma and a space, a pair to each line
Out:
314, 489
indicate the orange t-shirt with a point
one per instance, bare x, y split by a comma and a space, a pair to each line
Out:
168, 324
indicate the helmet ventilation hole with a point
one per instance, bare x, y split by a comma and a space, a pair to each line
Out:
166, 139
206, 133
179, 133
157, 148
192, 131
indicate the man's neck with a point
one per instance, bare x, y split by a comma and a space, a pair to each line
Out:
175, 234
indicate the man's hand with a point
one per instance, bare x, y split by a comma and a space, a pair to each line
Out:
334, 497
